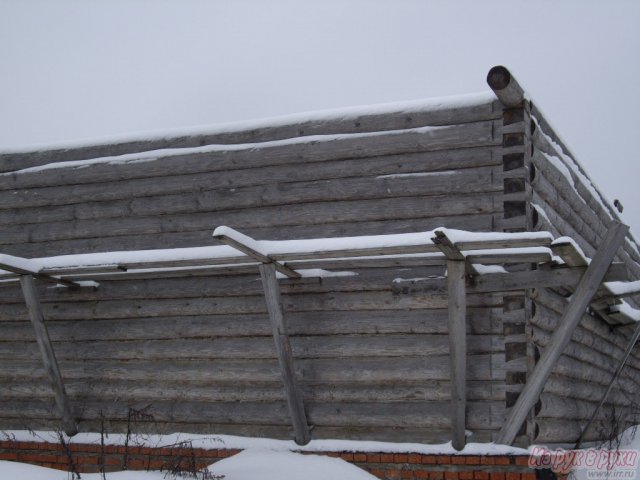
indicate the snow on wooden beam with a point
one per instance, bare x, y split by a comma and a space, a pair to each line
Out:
249, 246
588, 286
285, 355
48, 355
25, 266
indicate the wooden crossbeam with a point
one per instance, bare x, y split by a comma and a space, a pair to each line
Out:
285, 356
589, 284
20, 266
253, 253
48, 356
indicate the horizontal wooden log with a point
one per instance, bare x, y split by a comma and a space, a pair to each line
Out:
410, 414
355, 371
505, 86
255, 347
301, 214
590, 391
197, 238
553, 406
136, 391
238, 188
479, 321
238, 305
321, 149
556, 430
247, 133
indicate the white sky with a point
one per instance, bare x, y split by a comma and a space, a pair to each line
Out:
72, 70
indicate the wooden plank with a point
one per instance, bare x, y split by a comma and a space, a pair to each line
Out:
458, 350
240, 189
301, 214
284, 352
48, 355
582, 296
350, 123
484, 133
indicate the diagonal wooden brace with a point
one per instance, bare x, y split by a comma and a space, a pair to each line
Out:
285, 356
587, 287
48, 356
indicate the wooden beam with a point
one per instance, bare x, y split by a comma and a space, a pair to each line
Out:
506, 88
285, 356
589, 284
253, 253
457, 350
23, 266
48, 356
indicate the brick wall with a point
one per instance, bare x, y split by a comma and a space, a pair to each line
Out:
85, 458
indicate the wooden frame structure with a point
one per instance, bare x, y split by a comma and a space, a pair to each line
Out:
464, 253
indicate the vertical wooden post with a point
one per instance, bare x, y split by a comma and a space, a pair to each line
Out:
283, 350
48, 356
587, 287
457, 349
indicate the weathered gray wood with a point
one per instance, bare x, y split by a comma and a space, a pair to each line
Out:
284, 352
479, 321
349, 123
458, 350
245, 188
301, 214
557, 430
409, 369
505, 86
202, 236
632, 342
581, 298
346, 346
477, 134
48, 355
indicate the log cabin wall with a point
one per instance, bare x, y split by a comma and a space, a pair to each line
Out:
195, 354
563, 201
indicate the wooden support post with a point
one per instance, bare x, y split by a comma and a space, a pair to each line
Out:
581, 298
285, 356
48, 355
457, 349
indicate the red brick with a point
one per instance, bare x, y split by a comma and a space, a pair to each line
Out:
421, 474
513, 476
347, 456
333, 454
377, 472
465, 475
522, 460
408, 474
391, 474
359, 457
428, 459
458, 460
480, 475
487, 460
450, 475
473, 460
497, 476
436, 475
444, 459
400, 458
528, 476
501, 460
8, 456
386, 458
415, 458
373, 458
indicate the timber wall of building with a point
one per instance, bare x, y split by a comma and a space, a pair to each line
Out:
562, 200
196, 354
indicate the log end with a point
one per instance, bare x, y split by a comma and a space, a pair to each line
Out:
505, 86
498, 77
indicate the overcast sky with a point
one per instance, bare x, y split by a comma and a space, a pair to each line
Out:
72, 70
